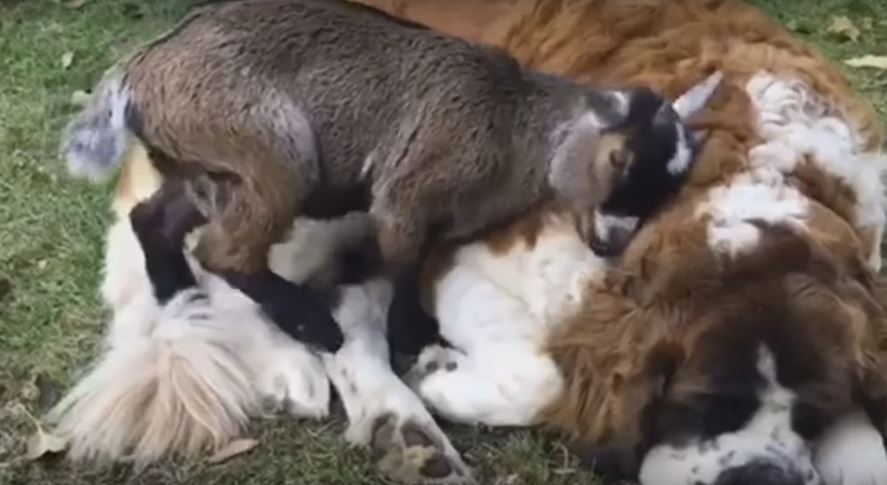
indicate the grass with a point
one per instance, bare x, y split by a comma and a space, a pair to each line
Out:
51, 236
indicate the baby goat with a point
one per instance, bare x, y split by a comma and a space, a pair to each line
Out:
268, 109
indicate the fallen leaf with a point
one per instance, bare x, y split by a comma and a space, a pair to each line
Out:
133, 11
80, 97
843, 27
879, 62
67, 59
867, 23
42, 443
49, 392
5, 287
75, 3
232, 449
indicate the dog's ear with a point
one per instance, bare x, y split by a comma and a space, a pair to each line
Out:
632, 414
588, 162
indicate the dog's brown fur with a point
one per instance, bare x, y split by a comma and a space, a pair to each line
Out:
674, 303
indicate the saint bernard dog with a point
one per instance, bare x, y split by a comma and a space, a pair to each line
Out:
741, 338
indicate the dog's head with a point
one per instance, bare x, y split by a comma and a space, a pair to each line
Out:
733, 366
627, 157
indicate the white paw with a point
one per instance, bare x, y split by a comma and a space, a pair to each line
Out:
296, 384
433, 359
409, 451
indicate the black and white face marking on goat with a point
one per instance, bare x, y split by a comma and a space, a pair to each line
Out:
758, 445
660, 149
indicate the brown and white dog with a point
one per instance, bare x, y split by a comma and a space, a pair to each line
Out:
184, 375
742, 338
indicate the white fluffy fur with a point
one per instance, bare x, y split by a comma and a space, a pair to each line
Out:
498, 311
187, 376
731, 208
795, 121
183, 377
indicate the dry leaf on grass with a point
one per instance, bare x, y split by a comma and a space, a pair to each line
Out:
67, 59
843, 27
232, 449
75, 3
878, 62
42, 443
80, 97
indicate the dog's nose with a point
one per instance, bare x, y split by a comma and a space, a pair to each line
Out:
761, 473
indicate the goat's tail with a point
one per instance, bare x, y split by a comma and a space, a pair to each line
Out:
174, 385
98, 137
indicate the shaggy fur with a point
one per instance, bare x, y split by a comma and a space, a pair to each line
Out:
185, 374
745, 325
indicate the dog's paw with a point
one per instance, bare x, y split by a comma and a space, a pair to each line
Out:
410, 453
432, 359
294, 382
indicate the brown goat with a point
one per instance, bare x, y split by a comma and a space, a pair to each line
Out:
269, 109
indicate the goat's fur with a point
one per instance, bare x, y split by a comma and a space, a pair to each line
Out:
745, 324
269, 109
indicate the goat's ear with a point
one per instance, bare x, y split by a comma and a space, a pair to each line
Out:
573, 173
697, 97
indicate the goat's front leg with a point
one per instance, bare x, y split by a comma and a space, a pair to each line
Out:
383, 413
247, 218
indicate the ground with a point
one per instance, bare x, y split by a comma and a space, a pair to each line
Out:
51, 237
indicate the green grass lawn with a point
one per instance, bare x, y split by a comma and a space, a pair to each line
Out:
52, 231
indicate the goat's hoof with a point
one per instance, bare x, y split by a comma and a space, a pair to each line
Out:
408, 453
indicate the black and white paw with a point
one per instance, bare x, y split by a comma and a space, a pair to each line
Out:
433, 359
410, 453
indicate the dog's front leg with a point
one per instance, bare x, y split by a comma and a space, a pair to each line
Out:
383, 413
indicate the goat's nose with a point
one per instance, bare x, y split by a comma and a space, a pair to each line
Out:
613, 243
761, 472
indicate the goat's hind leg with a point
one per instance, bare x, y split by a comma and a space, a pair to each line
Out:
247, 217
160, 224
